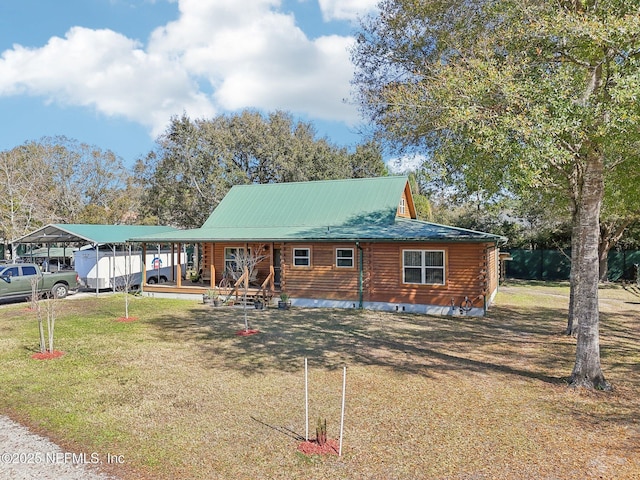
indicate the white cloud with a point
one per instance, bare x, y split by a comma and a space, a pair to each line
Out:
244, 54
406, 163
104, 70
346, 9
256, 56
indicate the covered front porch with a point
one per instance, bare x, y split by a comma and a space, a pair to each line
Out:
229, 272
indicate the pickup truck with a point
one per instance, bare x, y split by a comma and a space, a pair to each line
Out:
15, 281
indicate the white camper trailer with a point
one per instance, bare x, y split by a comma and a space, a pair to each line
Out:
112, 269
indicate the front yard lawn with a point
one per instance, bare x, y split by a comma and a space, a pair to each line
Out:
177, 394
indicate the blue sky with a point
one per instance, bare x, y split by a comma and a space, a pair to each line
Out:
111, 73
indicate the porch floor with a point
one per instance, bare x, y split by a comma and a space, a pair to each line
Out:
189, 288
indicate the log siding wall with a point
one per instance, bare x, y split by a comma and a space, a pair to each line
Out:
463, 266
322, 279
471, 270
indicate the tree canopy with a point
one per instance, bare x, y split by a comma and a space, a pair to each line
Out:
514, 96
57, 180
197, 161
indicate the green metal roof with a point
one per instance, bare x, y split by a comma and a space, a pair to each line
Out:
402, 229
333, 210
89, 233
310, 204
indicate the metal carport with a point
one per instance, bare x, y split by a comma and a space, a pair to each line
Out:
90, 234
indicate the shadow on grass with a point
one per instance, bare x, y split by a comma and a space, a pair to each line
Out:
633, 290
512, 342
284, 430
534, 283
508, 341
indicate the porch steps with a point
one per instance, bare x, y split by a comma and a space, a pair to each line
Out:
240, 300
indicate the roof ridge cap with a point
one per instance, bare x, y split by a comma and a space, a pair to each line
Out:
326, 180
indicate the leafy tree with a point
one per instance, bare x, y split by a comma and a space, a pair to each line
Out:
60, 180
424, 208
23, 201
86, 184
515, 95
631, 239
366, 162
65, 180
197, 161
621, 210
188, 173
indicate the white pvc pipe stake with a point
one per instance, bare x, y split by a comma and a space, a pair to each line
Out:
306, 401
344, 390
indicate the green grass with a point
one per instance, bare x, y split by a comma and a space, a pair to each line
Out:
179, 395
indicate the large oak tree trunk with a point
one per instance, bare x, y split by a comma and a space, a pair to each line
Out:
587, 371
573, 275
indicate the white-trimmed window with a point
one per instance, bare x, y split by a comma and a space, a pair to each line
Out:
425, 267
344, 257
301, 257
403, 206
230, 258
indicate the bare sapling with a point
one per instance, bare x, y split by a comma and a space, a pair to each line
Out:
243, 270
35, 307
321, 432
123, 285
51, 310
123, 282
51, 307
35, 292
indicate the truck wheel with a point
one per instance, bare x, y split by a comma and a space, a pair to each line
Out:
59, 290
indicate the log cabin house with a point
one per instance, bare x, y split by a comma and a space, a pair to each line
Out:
340, 243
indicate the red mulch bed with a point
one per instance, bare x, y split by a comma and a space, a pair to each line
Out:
47, 355
126, 319
331, 447
244, 333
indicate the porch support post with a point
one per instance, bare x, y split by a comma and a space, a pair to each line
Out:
360, 277
179, 266
158, 263
212, 267
283, 267
172, 262
271, 250
143, 265
97, 268
113, 270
